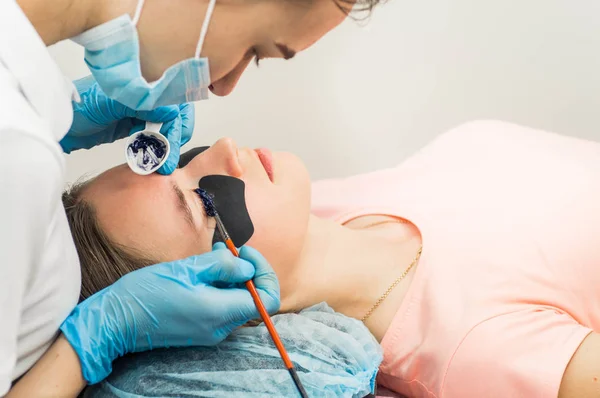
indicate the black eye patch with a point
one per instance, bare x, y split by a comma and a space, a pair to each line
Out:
186, 157
229, 200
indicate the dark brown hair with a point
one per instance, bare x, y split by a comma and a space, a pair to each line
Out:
102, 261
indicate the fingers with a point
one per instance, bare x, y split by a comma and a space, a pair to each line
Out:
177, 130
188, 119
235, 307
172, 131
227, 268
219, 246
265, 279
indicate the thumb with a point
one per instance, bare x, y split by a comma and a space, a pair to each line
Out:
265, 279
187, 122
172, 131
219, 246
228, 269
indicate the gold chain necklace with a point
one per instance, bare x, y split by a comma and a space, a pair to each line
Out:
399, 279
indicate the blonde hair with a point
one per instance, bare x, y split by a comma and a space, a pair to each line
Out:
102, 261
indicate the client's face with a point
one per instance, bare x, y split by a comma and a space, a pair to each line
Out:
163, 218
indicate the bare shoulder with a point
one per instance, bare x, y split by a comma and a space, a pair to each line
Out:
582, 376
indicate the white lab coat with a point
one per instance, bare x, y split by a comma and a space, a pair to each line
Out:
39, 268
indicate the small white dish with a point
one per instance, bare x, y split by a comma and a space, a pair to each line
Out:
145, 160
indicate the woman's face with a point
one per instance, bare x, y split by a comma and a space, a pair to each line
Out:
163, 218
239, 31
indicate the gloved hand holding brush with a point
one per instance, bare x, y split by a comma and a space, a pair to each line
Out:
170, 304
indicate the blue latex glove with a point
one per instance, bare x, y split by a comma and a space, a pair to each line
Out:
169, 305
97, 119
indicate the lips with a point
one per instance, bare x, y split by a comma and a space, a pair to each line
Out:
266, 158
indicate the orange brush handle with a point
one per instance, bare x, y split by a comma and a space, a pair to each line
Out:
263, 313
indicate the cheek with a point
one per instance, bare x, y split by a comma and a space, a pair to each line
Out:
280, 212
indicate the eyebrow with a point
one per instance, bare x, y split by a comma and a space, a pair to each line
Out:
183, 206
287, 52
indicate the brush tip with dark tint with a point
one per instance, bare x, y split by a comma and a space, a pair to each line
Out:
207, 201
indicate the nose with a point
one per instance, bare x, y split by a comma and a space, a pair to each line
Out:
226, 152
220, 158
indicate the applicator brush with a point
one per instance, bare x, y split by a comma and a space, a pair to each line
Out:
211, 211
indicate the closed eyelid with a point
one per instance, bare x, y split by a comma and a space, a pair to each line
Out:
286, 52
183, 206
253, 54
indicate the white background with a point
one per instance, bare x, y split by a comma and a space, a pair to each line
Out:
365, 97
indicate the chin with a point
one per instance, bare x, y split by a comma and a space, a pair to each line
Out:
222, 88
291, 165
282, 236
215, 90
294, 174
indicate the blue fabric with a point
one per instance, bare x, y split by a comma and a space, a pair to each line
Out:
335, 356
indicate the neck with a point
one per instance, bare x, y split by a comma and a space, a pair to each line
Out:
58, 20
349, 269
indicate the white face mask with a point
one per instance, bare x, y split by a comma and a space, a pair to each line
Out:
112, 53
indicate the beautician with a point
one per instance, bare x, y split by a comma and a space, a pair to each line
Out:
49, 345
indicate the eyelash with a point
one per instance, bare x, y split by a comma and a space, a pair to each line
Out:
257, 57
197, 197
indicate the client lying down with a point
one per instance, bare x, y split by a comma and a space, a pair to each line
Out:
474, 263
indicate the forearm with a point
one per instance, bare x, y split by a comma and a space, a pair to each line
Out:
56, 374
